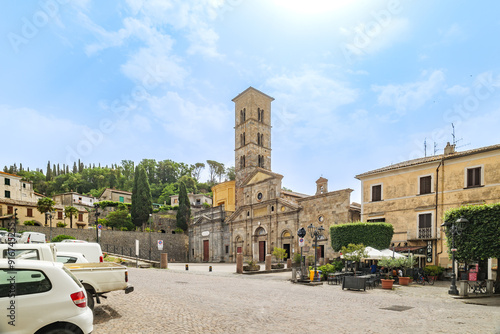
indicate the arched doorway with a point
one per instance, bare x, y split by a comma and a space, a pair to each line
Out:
260, 246
286, 242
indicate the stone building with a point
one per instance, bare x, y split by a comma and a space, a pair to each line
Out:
265, 216
414, 195
196, 200
116, 196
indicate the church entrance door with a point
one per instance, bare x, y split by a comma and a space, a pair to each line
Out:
205, 251
262, 251
286, 247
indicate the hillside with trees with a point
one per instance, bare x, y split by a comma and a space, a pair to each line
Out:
164, 177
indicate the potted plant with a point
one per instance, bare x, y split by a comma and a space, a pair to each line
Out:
251, 266
433, 271
279, 254
389, 263
354, 253
407, 262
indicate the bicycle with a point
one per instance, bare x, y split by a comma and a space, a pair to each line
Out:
422, 278
477, 287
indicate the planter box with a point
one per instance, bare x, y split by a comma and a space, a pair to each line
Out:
354, 283
251, 268
404, 280
277, 266
387, 283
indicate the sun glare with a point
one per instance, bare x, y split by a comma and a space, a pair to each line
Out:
312, 6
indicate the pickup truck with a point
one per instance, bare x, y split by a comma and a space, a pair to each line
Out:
97, 278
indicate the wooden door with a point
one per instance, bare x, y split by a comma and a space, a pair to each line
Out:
205, 251
262, 251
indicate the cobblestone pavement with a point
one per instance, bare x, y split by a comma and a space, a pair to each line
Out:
198, 301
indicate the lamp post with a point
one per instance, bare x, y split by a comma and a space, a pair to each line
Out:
316, 232
454, 229
48, 215
97, 214
301, 233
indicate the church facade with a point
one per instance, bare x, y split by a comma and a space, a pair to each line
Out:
266, 216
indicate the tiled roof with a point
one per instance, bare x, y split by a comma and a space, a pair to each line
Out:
433, 158
251, 88
14, 175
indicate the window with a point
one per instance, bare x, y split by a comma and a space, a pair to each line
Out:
376, 193
258, 114
425, 226
59, 215
29, 212
474, 177
27, 282
121, 199
258, 139
80, 217
7, 182
24, 185
7, 194
376, 220
10, 210
261, 139
243, 139
425, 185
227, 249
262, 116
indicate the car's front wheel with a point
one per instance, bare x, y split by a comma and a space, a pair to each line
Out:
61, 328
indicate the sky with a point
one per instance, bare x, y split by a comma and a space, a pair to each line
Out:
358, 85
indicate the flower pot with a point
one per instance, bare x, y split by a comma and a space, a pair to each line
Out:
387, 283
404, 280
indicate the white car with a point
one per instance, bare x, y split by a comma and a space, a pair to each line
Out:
70, 257
42, 297
74, 241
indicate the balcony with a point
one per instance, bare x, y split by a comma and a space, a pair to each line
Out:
423, 233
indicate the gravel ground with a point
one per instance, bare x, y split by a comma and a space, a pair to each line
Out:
198, 301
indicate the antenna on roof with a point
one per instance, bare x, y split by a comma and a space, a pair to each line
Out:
455, 141
425, 147
435, 148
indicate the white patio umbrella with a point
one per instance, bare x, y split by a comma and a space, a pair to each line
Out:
373, 254
389, 253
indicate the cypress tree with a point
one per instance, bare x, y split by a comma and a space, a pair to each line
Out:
48, 175
75, 169
184, 211
142, 203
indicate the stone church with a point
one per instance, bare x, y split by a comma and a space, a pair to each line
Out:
265, 216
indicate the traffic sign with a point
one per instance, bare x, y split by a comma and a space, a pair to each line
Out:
301, 242
160, 244
99, 226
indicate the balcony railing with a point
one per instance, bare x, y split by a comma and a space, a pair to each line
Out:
423, 233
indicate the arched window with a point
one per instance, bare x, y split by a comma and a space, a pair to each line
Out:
262, 139
258, 139
258, 113
261, 116
258, 163
260, 231
243, 139
243, 161
244, 114
241, 116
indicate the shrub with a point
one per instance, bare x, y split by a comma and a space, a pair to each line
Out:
297, 258
376, 235
61, 224
62, 237
206, 205
433, 270
178, 230
279, 253
29, 223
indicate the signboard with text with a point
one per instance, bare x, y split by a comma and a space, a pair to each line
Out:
160, 244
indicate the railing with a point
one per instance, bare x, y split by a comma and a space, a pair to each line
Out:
422, 233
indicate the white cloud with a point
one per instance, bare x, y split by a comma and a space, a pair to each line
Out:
458, 90
410, 96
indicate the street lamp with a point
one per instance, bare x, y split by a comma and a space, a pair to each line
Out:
48, 215
454, 229
316, 232
301, 233
96, 206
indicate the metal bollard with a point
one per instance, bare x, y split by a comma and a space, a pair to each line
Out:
187, 266
210, 268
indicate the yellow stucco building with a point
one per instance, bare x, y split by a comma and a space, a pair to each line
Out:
414, 195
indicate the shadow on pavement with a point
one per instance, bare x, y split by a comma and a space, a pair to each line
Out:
104, 313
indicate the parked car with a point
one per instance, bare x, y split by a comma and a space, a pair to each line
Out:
15, 238
91, 250
70, 257
42, 297
74, 240
32, 238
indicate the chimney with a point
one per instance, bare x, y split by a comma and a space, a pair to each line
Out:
449, 149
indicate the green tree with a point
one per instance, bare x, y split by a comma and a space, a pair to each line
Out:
70, 212
142, 205
169, 190
184, 211
119, 219
354, 253
189, 182
279, 254
45, 204
48, 175
231, 173
197, 168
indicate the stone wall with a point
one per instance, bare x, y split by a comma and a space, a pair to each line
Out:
123, 242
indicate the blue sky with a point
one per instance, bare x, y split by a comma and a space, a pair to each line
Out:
358, 85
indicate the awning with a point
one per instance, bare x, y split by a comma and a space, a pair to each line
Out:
408, 248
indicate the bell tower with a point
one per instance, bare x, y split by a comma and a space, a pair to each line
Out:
252, 131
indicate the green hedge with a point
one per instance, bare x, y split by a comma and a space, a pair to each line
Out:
479, 240
104, 204
61, 237
376, 235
